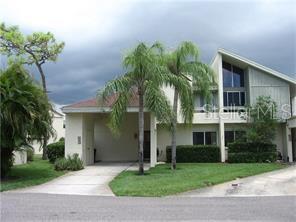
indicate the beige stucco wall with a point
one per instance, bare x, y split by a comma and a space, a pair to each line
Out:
184, 136
73, 131
122, 148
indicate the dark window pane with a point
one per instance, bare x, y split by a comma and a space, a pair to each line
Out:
230, 99
198, 138
243, 99
225, 101
236, 98
210, 138
229, 137
238, 77
202, 101
227, 75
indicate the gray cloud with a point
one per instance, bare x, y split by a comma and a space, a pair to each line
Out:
262, 31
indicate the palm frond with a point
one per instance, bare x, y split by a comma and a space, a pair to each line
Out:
156, 101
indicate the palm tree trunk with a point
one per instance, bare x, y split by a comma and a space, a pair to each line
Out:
141, 132
174, 126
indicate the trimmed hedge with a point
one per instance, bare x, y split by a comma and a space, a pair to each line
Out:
249, 152
238, 147
55, 151
195, 154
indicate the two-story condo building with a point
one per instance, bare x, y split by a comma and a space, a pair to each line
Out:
240, 83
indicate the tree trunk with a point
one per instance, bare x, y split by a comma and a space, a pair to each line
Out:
141, 131
44, 147
174, 126
42, 77
44, 150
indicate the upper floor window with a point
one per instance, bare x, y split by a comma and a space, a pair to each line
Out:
232, 76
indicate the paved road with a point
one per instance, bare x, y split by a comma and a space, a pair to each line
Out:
48, 207
276, 183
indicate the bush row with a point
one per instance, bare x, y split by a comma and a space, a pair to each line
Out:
254, 147
249, 157
195, 154
251, 152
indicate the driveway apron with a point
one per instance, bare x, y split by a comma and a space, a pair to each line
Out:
277, 183
92, 180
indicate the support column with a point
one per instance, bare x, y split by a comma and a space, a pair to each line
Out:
289, 144
222, 140
153, 141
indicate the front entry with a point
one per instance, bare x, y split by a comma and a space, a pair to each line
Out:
146, 145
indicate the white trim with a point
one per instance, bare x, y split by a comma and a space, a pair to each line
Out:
258, 66
96, 109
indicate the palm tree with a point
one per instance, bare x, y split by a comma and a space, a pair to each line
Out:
184, 63
25, 115
145, 75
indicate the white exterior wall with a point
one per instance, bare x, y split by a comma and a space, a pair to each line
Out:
122, 148
184, 136
74, 128
58, 125
20, 157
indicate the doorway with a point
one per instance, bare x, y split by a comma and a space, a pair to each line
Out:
146, 145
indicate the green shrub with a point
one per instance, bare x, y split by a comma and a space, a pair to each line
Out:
72, 163
55, 151
251, 152
250, 157
195, 154
30, 154
62, 139
254, 147
61, 164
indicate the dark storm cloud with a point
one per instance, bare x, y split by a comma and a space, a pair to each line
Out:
263, 33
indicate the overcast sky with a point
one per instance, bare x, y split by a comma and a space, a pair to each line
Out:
98, 33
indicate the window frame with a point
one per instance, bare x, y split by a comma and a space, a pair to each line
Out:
232, 67
204, 137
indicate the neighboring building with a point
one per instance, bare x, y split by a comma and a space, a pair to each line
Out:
240, 82
59, 125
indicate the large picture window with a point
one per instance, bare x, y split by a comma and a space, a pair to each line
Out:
234, 98
232, 76
204, 138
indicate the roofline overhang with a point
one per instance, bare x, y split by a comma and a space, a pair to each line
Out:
96, 109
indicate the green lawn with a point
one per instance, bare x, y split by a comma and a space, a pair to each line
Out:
161, 181
36, 172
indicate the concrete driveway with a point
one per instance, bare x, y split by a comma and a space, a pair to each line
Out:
276, 183
93, 180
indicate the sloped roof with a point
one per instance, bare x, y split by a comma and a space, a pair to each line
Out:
257, 65
94, 102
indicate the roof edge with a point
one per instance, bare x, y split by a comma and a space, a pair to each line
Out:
257, 65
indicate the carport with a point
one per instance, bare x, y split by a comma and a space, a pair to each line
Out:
88, 135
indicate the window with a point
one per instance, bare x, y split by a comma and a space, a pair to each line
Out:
198, 138
232, 76
231, 136
204, 138
234, 98
200, 102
